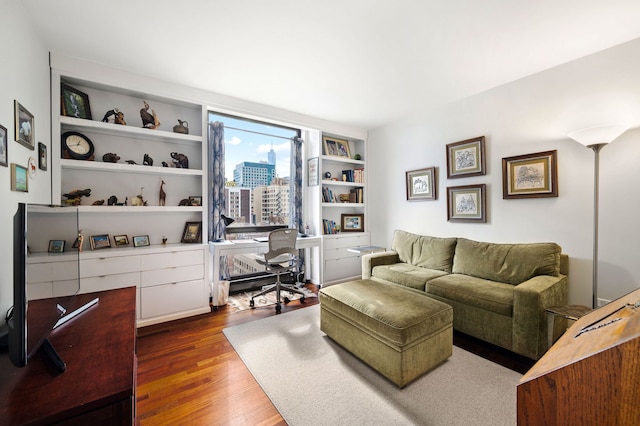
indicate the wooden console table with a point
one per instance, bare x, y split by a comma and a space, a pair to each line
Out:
98, 386
590, 375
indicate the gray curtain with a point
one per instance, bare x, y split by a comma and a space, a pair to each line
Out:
296, 192
217, 204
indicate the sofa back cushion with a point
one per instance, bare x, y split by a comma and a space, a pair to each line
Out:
506, 263
426, 252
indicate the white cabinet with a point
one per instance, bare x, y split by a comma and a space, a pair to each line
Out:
51, 275
339, 262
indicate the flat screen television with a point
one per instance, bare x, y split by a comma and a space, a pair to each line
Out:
33, 317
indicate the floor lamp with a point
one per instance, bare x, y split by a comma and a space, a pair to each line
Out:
596, 138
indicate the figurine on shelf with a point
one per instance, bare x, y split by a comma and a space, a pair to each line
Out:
180, 160
74, 197
138, 200
147, 161
163, 195
78, 242
149, 120
98, 203
112, 201
182, 127
164, 241
118, 117
110, 157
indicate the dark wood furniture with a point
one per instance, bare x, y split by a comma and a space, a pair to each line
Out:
591, 374
98, 386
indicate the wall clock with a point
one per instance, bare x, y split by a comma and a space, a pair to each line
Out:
77, 146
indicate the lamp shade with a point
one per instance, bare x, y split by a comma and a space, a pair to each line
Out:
598, 135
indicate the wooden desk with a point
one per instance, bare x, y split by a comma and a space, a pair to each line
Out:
590, 375
98, 386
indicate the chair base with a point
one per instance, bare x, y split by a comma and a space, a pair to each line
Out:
278, 287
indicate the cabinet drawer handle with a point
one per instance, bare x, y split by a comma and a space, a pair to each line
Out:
102, 276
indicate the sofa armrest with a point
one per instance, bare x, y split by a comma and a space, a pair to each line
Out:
530, 299
369, 261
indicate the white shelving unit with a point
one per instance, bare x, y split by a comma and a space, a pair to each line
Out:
187, 293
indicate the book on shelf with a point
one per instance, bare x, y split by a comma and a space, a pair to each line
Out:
353, 175
356, 195
329, 227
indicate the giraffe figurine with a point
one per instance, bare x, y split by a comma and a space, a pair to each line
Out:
163, 195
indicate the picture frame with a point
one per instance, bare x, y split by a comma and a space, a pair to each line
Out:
120, 240
192, 232
25, 126
313, 172
421, 184
42, 156
195, 200
19, 178
74, 103
466, 158
141, 241
467, 203
99, 242
56, 246
4, 147
336, 147
530, 175
352, 222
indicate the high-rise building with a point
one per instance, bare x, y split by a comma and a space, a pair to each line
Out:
250, 175
271, 157
271, 203
238, 201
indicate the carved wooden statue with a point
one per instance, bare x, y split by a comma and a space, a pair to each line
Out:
163, 195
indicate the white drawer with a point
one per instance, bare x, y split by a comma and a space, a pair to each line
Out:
65, 288
109, 282
346, 241
40, 290
52, 271
337, 269
171, 275
108, 265
339, 253
175, 258
169, 298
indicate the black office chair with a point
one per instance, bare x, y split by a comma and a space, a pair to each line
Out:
282, 257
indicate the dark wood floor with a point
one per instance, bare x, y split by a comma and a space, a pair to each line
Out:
188, 373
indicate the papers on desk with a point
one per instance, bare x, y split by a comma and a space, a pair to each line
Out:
261, 239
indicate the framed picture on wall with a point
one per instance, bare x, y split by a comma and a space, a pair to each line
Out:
466, 203
192, 232
352, 222
42, 156
74, 102
530, 176
100, 241
312, 171
4, 154
466, 158
421, 184
19, 178
24, 126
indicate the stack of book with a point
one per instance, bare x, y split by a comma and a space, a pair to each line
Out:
329, 226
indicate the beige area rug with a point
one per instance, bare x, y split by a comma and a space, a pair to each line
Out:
319, 383
240, 301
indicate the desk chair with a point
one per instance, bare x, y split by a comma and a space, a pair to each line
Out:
281, 257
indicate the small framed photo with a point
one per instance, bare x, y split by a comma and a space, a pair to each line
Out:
352, 222
56, 246
530, 176
192, 232
141, 241
19, 178
25, 126
336, 147
466, 203
195, 200
100, 241
421, 184
120, 240
74, 102
4, 146
313, 171
42, 156
466, 158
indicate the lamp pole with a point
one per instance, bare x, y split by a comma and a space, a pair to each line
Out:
596, 181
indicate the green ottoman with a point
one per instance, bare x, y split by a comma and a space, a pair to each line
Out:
400, 333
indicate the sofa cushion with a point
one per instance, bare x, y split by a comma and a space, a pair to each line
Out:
424, 251
487, 295
406, 275
507, 263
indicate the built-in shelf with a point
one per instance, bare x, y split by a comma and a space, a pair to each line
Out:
127, 168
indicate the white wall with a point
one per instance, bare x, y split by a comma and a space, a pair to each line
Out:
527, 116
24, 76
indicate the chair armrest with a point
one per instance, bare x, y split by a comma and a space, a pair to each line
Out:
369, 261
530, 299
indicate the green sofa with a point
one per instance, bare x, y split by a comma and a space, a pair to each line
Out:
498, 292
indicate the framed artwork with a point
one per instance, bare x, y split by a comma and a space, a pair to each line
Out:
421, 184
530, 176
100, 241
312, 171
56, 246
195, 200
352, 222
336, 147
42, 156
25, 126
466, 203
141, 241
192, 232
120, 240
4, 145
19, 178
74, 102
466, 158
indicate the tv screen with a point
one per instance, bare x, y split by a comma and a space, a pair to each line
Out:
39, 301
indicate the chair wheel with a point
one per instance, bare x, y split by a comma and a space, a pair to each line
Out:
302, 299
252, 304
286, 299
278, 309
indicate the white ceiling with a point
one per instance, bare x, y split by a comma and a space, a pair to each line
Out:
359, 62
